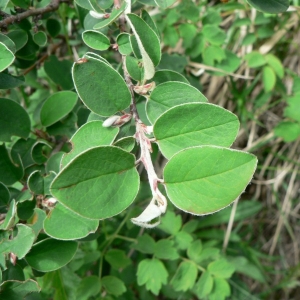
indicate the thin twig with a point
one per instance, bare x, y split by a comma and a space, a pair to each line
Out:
54, 4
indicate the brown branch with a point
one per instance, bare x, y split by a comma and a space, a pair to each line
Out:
29, 13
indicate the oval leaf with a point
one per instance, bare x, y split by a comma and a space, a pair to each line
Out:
14, 120
99, 183
203, 180
74, 225
96, 40
96, 90
195, 124
6, 57
270, 6
91, 134
169, 94
57, 106
49, 254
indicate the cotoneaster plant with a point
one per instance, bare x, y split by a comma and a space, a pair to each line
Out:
99, 178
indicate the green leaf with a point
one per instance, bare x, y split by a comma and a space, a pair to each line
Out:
145, 244
162, 76
40, 151
37, 220
185, 276
147, 18
208, 253
134, 68
4, 196
153, 274
113, 285
255, 59
89, 135
204, 285
194, 124
53, 163
205, 179
117, 258
95, 89
49, 255
96, 40
268, 78
270, 6
126, 143
14, 120
194, 250
183, 240
7, 42
57, 106
170, 223
221, 268
16, 290
9, 220
40, 38
75, 226
109, 186
19, 37
170, 94
221, 289
59, 72
164, 3
53, 27
19, 245
148, 43
164, 249
39, 184
213, 34
112, 17
10, 171
275, 64
8, 81
293, 109
289, 131
6, 57
89, 286
123, 42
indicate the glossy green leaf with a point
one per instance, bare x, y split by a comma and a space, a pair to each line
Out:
171, 223
8, 42
91, 134
185, 276
123, 42
95, 90
153, 274
89, 286
270, 6
49, 254
8, 81
162, 76
57, 106
15, 290
74, 225
221, 268
204, 285
148, 43
170, 94
269, 78
113, 285
112, 17
14, 120
221, 289
40, 38
96, 40
194, 250
164, 249
6, 57
10, 171
205, 179
21, 244
117, 258
111, 179
194, 124
10, 217
59, 72
145, 244
19, 37
182, 240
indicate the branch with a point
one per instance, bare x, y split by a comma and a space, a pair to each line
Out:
29, 13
